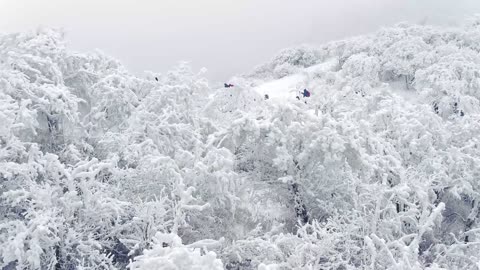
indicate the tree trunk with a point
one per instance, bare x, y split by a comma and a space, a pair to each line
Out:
300, 208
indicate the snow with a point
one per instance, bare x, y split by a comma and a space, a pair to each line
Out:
399, 88
113, 170
287, 88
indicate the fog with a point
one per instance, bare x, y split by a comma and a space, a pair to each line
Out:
225, 36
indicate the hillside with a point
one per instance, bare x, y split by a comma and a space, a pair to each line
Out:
378, 169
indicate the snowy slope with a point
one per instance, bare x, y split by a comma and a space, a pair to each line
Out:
288, 87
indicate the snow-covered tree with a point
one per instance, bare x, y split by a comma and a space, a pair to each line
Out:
378, 169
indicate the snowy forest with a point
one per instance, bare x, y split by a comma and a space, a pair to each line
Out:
379, 168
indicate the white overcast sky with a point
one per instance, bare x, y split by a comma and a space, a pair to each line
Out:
225, 36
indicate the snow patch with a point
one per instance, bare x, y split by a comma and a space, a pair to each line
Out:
287, 88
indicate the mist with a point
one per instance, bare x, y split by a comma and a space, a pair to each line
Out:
225, 36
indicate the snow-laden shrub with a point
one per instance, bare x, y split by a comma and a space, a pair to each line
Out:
168, 252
